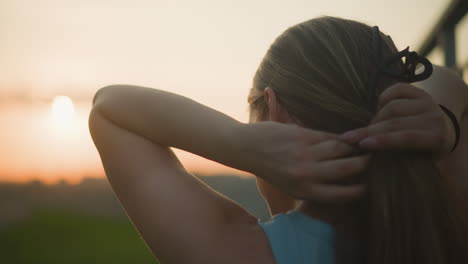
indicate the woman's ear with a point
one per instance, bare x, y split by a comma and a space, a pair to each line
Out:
276, 112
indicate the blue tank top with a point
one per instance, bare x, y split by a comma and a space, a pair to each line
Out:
296, 238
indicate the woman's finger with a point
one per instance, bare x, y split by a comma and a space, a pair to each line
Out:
331, 149
414, 139
383, 127
401, 107
340, 171
315, 136
400, 90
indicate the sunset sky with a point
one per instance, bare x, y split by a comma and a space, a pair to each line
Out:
205, 50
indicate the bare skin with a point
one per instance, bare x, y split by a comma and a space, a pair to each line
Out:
420, 115
408, 117
182, 219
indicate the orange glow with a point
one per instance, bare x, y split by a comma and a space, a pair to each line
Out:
206, 50
51, 142
36, 144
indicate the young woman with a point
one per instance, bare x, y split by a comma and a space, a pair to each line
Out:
371, 195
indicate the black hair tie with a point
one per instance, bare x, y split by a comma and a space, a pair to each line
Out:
455, 125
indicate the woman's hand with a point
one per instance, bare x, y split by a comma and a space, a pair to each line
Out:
407, 118
304, 163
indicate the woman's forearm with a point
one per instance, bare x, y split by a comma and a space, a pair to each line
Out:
172, 120
447, 89
450, 90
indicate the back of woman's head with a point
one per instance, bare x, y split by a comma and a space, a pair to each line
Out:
320, 71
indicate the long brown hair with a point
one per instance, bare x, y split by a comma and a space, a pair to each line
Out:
320, 72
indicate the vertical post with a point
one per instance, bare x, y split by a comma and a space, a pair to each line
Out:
448, 44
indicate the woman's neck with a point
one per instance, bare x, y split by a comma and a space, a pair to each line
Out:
331, 214
347, 221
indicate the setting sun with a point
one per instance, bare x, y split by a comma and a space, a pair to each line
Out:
62, 109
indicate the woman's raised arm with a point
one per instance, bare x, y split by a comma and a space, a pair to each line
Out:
182, 219
448, 89
409, 117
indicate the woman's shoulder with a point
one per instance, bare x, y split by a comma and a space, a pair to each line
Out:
298, 238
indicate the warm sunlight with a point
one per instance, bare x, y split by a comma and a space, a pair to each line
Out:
62, 109
55, 55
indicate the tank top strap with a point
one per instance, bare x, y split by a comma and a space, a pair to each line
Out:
296, 238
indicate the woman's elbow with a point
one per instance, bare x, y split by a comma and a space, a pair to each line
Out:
105, 91
100, 100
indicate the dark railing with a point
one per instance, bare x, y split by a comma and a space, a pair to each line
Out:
443, 34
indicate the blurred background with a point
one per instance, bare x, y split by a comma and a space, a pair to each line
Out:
55, 203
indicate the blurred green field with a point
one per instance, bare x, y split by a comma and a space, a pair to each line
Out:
65, 237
